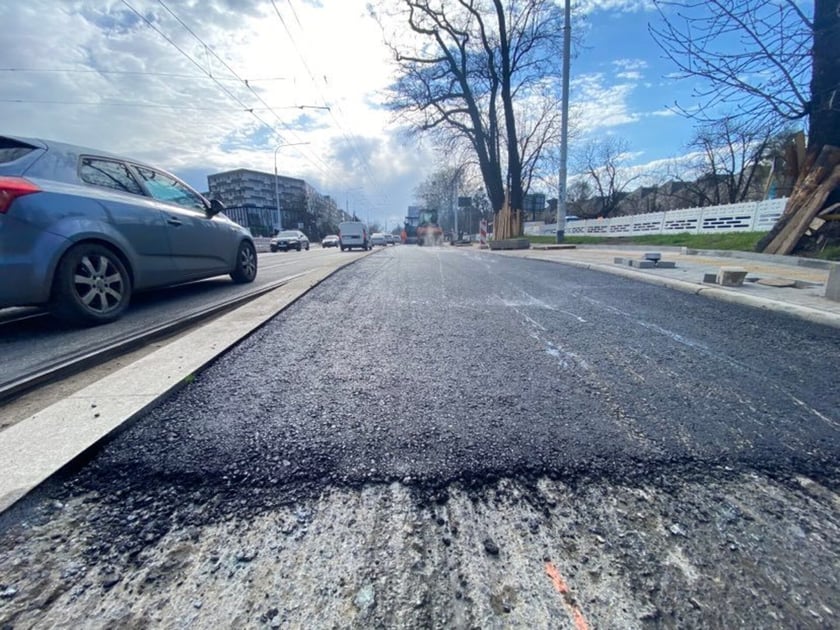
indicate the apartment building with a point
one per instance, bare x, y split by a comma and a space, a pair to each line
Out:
265, 203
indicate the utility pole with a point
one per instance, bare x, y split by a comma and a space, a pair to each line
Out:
455, 202
564, 129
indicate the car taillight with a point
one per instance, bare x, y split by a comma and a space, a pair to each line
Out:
13, 187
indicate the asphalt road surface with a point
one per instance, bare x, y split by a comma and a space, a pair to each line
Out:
436, 437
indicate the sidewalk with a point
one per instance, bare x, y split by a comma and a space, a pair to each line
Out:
805, 298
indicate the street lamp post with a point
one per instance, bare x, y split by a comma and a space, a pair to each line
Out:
277, 182
564, 129
456, 180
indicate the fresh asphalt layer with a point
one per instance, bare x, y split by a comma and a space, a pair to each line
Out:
439, 320
39, 445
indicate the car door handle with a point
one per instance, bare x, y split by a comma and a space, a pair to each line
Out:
174, 221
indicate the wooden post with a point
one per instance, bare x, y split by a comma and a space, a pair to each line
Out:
815, 183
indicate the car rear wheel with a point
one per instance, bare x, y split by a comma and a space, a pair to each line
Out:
91, 285
246, 264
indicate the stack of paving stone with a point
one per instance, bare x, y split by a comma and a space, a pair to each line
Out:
650, 260
726, 277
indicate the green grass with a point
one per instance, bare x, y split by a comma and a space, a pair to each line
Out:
830, 253
741, 241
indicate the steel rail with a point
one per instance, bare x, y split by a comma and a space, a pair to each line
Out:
76, 362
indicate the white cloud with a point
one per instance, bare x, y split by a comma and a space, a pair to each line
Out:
630, 64
108, 80
596, 105
630, 75
663, 113
629, 69
621, 6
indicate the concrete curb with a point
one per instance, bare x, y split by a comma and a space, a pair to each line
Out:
37, 447
803, 312
791, 261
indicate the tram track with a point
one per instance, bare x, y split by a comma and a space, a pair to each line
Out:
77, 361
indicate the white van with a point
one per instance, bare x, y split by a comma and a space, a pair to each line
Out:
353, 234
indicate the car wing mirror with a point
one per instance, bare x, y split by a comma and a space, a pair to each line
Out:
215, 208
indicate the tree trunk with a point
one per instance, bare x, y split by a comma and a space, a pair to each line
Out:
507, 222
514, 161
824, 113
816, 182
820, 174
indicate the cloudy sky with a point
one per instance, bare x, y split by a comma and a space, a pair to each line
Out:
198, 87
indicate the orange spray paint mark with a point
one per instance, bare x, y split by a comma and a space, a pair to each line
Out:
563, 588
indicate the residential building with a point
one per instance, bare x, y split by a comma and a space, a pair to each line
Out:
252, 197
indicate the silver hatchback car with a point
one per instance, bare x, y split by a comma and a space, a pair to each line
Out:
81, 230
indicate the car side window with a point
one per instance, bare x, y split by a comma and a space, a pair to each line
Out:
165, 188
109, 174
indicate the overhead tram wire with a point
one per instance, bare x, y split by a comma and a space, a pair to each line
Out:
247, 108
127, 104
347, 138
297, 19
324, 167
250, 110
173, 75
362, 158
350, 142
326, 170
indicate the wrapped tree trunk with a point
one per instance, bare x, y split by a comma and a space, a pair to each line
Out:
817, 180
507, 223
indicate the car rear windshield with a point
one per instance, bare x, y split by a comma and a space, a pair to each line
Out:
11, 150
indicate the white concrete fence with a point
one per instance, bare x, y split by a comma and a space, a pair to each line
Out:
750, 216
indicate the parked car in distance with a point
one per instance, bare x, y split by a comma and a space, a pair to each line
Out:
390, 239
353, 234
330, 240
289, 239
81, 230
378, 238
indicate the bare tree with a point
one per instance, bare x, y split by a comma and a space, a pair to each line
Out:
768, 60
579, 197
475, 68
600, 162
730, 155
439, 192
